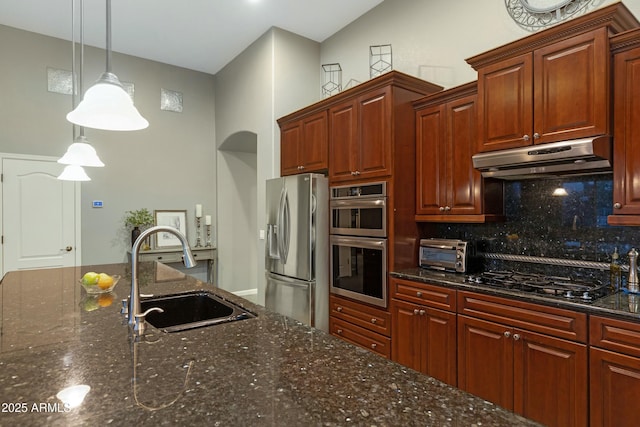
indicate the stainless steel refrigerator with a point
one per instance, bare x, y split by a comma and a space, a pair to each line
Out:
297, 251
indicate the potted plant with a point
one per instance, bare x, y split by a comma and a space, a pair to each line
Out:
136, 220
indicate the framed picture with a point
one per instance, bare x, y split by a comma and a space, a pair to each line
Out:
175, 219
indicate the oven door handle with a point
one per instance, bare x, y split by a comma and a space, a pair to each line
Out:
439, 247
358, 203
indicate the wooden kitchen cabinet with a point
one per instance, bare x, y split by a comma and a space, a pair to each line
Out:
360, 324
626, 129
304, 144
361, 137
614, 372
449, 189
554, 93
517, 355
368, 131
423, 336
550, 86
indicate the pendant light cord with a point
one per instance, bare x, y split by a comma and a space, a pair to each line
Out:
108, 36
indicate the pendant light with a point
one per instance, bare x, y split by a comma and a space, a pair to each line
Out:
106, 105
80, 153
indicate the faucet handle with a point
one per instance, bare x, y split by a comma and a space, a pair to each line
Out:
139, 324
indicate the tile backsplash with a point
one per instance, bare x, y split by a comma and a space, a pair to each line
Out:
569, 224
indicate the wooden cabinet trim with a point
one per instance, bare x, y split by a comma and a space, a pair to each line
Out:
360, 336
533, 317
424, 294
367, 317
615, 335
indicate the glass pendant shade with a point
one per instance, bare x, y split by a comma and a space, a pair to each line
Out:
81, 153
107, 106
74, 173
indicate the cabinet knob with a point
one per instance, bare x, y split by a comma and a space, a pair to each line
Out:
339, 309
536, 135
416, 311
507, 334
374, 320
441, 208
516, 337
357, 172
374, 345
447, 208
339, 331
300, 168
617, 206
422, 312
526, 137
419, 294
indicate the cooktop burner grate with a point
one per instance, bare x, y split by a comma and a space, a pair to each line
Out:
561, 287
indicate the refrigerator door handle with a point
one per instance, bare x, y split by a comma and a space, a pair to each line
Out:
286, 227
282, 226
272, 241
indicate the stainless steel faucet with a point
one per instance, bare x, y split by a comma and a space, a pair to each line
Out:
136, 319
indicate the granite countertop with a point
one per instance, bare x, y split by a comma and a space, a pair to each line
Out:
269, 370
621, 305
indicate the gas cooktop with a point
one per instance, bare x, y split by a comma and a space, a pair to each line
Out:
554, 286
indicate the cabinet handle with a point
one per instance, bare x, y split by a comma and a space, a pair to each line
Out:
374, 320
536, 135
339, 331
339, 309
516, 337
526, 137
507, 334
374, 345
419, 294
617, 206
422, 312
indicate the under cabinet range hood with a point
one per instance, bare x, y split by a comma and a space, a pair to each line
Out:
557, 159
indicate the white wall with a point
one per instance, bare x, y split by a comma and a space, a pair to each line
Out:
167, 166
430, 39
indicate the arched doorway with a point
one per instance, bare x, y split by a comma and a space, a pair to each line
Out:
237, 214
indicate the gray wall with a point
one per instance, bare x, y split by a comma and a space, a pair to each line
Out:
277, 74
170, 165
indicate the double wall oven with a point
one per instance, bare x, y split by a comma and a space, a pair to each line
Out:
358, 242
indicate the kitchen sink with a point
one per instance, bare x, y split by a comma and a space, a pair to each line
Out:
192, 310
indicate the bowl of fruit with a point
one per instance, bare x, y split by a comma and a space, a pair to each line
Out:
98, 283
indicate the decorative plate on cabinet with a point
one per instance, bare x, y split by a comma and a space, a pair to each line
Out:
534, 15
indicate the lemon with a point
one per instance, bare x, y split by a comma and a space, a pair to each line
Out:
104, 281
90, 278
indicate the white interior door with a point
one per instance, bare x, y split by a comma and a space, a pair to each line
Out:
40, 216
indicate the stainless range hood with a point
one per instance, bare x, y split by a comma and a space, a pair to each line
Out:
557, 159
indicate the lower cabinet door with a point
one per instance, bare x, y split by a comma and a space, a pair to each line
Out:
485, 360
550, 379
614, 389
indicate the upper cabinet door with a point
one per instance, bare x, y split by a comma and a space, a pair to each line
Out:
343, 140
374, 148
304, 145
431, 146
571, 88
554, 93
290, 137
505, 108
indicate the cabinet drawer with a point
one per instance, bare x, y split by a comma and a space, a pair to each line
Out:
361, 337
616, 335
424, 294
367, 317
533, 317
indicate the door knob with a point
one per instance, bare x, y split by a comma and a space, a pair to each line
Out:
68, 248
